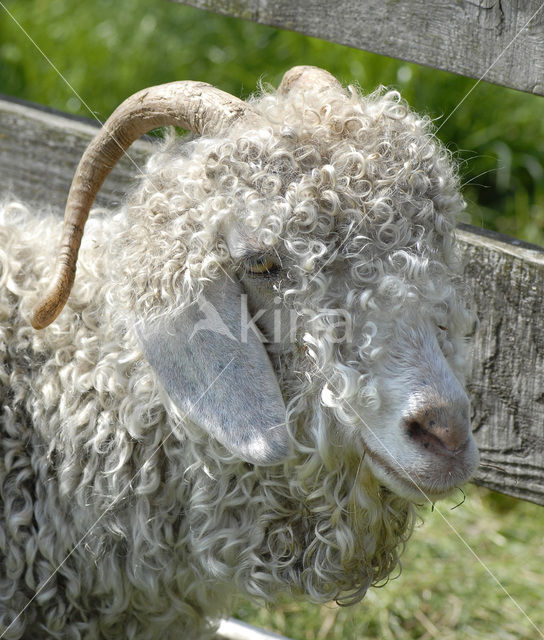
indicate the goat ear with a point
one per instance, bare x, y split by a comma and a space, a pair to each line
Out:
219, 377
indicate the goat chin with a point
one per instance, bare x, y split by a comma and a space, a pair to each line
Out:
430, 477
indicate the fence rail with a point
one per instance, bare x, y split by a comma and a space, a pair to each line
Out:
39, 150
502, 40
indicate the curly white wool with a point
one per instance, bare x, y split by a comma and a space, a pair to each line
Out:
146, 522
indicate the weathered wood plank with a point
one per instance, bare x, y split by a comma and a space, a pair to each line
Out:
38, 154
507, 380
469, 37
40, 149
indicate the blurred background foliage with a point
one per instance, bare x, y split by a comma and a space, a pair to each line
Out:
108, 49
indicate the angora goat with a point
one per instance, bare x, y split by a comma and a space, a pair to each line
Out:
258, 372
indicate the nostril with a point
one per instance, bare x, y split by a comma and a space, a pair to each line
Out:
415, 429
429, 432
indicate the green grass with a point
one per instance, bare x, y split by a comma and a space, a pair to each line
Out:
444, 592
108, 49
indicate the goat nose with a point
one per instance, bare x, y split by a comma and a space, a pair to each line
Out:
435, 427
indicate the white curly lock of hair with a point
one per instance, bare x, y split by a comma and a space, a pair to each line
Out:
139, 522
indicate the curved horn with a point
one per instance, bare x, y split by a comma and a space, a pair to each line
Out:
196, 106
305, 77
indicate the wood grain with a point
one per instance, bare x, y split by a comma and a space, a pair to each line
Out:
489, 39
39, 151
506, 385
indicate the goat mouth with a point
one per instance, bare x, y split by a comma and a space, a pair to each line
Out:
414, 486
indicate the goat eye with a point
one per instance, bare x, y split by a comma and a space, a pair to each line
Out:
262, 266
442, 328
